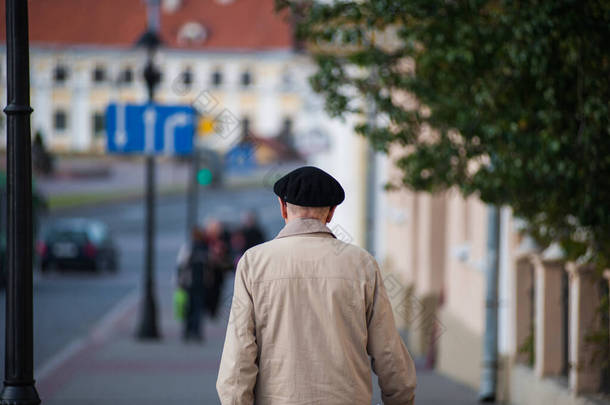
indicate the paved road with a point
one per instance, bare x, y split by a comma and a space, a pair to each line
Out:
67, 305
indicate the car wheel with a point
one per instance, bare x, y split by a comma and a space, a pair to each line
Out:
98, 265
114, 267
49, 268
102, 264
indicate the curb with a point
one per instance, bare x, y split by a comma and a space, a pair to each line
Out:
126, 197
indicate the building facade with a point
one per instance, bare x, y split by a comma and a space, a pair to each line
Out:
237, 57
235, 61
551, 321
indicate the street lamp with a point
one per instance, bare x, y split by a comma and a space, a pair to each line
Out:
148, 327
150, 41
19, 387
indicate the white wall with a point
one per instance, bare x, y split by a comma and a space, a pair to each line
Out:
345, 160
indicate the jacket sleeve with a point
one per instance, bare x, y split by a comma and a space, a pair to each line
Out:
238, 366
390, 359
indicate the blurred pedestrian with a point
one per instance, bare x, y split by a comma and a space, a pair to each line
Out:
310, 315
238, 246
192, 264
253, 234
219, 262
249, 234
42, 160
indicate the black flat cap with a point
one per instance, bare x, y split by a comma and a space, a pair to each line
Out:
309, 186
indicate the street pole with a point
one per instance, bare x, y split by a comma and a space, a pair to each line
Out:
371, 199
193, 197
371, 177
19, 386
489, 373
148, 327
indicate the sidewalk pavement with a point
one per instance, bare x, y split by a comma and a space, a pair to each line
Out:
111, 367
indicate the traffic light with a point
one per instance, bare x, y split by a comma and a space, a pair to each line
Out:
204, 176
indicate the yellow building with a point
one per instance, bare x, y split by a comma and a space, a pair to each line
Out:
237, 58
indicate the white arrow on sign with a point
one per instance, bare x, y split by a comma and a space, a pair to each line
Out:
171, 123
120, 137
150, 117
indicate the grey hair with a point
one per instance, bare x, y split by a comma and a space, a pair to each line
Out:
299, 211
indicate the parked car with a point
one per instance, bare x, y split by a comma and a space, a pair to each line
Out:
77, 244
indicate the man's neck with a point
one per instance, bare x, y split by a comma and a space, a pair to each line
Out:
291, 218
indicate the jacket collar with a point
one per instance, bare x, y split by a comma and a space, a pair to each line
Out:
300, 226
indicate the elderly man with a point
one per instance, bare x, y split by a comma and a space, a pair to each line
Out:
310, 315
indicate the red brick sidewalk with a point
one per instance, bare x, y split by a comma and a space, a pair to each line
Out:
111, 367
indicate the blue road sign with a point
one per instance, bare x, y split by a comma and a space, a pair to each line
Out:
150, 128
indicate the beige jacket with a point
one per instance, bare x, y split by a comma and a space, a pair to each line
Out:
309, 317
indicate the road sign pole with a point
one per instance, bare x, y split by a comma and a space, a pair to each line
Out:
19, 387
193, 198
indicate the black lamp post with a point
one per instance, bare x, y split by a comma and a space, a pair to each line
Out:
152, 76
148, 327
19, 387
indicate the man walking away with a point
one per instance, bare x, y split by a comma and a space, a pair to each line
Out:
310, 316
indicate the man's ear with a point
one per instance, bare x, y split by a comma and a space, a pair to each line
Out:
330, 214
283, 208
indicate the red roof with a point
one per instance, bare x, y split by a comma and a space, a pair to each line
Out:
236, 25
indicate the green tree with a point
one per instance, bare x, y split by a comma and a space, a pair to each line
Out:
516, 94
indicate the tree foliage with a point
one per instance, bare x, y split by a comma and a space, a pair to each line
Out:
512, 100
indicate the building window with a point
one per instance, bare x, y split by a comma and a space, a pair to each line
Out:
246, 79
60, 74
287, 77
60, 120
126, 76
286, 134
192, 33
245, 127
98, 124
217, 78
187, 77
99, 74
287, 125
